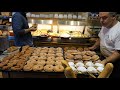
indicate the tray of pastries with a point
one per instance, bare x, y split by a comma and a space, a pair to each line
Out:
83, 61
39, 59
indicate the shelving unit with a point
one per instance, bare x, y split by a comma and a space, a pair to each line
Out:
4, 27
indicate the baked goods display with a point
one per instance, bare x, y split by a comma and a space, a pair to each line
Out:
83, 60
47, 59
85, 68
11, 49
17, 60
50, 59
44, 59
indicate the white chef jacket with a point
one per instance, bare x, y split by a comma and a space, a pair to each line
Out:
109, 39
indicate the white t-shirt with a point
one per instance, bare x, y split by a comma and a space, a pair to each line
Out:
109, 39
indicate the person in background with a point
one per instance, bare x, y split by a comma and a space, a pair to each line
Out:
109, 41
22, 32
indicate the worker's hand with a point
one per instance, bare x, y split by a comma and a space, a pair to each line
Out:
103, 62
33, 29
92, 48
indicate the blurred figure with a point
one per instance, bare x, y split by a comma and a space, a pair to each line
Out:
22, 32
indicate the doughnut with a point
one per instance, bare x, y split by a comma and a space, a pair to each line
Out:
66, 48
42, 54
5, 67
80, 49
4, 63
59, 54
50, 54
42, 58
83, 53
58, 49
50, 62
27, 68
86, 49
69, 56
32, 62
79, 57
33, 57
59, 58
51, 51
58, 62
95, 57
58, 68
85, 57
44, 51
37, 68
72, 48
90, 53
48, 68
41, 62
51, 58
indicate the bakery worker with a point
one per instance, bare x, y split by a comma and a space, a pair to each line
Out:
109, 41
22, 32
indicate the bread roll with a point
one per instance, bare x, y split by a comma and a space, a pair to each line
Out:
106, 71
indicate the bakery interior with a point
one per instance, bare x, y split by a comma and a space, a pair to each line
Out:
59, 36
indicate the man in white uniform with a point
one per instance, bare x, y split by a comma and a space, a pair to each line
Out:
109, 41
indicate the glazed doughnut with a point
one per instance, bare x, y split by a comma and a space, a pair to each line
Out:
33, 57
79, 57
16, 68
90, 53
66, 48
80, 49
44, 51
3, 63
51, 48
58, 49
59, 58
5, 67
34, 62
42, 58
83, 53
42, 54
41, 62
50, 62
34, 54
86, 49
9, 64
51, 58
51, 51
44, 48
72, 48
49, 68
49, 55
58, 68
95, 57
85, 57
59, 54
39, 48
27, 68
58, 62
69, 56
37, 68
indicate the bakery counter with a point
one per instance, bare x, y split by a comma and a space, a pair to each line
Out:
32, 74
61, 42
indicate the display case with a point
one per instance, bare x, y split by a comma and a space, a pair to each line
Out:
60, 27
5, 25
